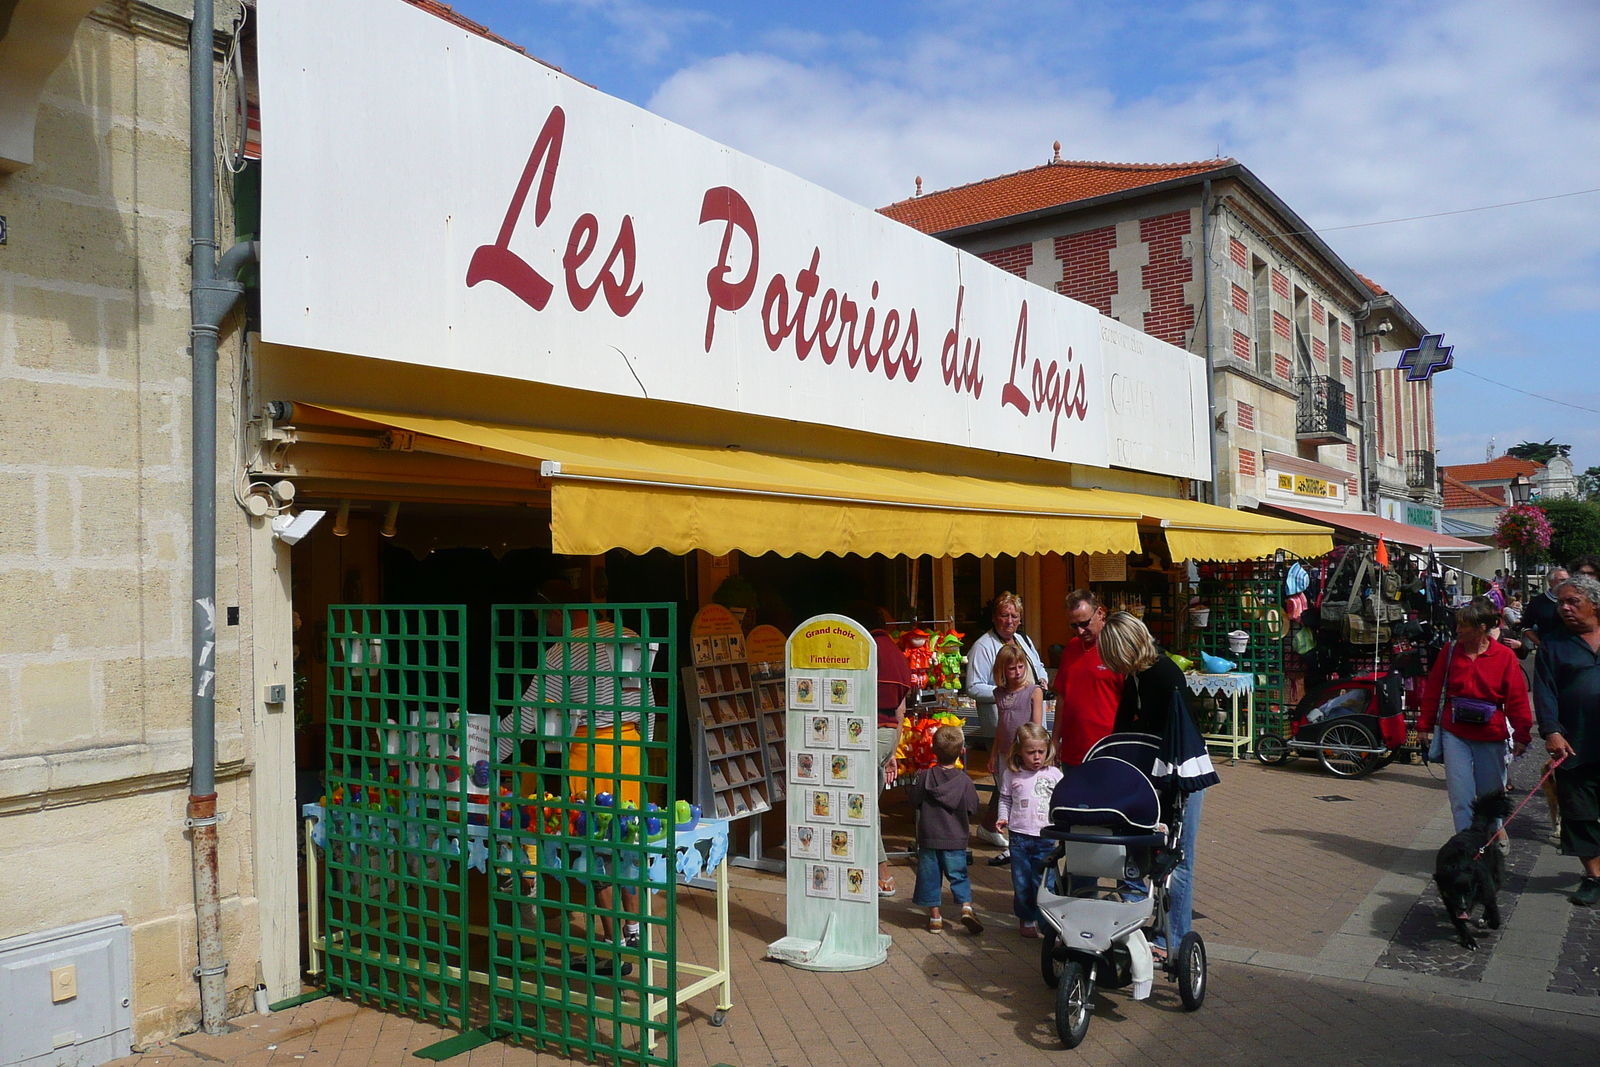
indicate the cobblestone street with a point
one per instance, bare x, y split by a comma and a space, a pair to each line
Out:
1327, 944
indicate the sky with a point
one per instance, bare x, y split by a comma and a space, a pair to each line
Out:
1354, 113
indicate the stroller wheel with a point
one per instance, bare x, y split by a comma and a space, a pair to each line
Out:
1272, 750
1074, 1004
1192, 971
1050, 964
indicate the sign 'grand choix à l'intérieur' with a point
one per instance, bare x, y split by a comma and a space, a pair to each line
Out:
436, 198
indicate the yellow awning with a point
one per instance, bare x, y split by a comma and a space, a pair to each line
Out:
1205, 531
613, 492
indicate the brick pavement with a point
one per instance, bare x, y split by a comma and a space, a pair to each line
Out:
1282, 877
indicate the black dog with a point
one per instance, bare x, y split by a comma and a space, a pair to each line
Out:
1468, 869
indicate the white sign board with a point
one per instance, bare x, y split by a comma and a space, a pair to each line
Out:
435, 198
1156, 403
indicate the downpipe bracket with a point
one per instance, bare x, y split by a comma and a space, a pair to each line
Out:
211, 820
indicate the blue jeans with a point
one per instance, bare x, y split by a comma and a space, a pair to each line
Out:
934, 864
1471, 768
1180, 887
1028, 855
1180, 884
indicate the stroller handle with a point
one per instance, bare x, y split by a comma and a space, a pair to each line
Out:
1126, 841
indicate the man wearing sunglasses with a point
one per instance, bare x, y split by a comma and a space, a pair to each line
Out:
1087, 691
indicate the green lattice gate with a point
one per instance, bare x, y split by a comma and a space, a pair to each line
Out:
395, 883
509, 848
573, 690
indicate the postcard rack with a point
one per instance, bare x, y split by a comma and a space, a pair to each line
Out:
731, 773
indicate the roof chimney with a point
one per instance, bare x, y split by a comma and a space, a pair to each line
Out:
1057, 158
919, 185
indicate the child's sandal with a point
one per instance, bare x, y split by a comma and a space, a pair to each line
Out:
969, 919
935, 925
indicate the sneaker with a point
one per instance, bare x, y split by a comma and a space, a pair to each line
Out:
1588, 894
631, 941
1029, 930
935, 925
993, 837
1003, 859
969, 919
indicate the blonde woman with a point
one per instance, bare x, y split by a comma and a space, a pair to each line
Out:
1154, 687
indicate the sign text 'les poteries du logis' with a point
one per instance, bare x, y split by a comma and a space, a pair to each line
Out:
886, 340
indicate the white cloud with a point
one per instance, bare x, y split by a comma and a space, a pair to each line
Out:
645, 32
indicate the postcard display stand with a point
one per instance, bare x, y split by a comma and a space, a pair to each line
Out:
731, 778
832, 784
764, 648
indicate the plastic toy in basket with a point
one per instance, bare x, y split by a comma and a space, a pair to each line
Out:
915, 750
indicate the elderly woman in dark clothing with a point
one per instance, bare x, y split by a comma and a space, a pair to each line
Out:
1153, 681
1567, 695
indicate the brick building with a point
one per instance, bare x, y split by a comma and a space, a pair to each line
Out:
1302, 416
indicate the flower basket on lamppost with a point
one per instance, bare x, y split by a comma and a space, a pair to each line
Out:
1523, 530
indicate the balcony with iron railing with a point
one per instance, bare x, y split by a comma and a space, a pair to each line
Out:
1320, 411
1420, 470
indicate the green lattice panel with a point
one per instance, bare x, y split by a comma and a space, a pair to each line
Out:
1240, 595
568, 871
395, 881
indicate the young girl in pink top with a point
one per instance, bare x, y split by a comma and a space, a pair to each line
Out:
1024, 811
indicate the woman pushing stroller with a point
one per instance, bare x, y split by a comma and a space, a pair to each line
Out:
1154, 690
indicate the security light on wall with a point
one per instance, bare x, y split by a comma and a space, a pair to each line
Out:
291, 528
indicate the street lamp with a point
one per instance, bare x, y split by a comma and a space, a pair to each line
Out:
1521, 493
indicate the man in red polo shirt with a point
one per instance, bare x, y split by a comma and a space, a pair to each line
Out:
1087, 691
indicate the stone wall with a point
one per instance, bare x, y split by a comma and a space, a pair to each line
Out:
94, 533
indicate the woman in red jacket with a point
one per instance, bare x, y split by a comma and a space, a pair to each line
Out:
1485, 709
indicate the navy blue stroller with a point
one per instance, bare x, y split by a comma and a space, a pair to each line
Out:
1113, 822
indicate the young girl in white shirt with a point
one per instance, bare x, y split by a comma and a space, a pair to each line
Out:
1024, 811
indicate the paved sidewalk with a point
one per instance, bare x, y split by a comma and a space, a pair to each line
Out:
1310, 905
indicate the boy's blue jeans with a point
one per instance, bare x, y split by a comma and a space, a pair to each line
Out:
1028, 856
936, 864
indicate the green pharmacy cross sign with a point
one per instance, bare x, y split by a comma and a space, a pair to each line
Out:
1427, 359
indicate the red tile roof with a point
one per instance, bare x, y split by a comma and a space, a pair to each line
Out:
450, 15
1459, 495
1501, 469
1058, 182
1377, 290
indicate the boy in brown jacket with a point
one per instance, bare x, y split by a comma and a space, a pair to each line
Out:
946, 801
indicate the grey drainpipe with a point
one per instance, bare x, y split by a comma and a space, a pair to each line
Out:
1211, 367
212, 296
1368, 465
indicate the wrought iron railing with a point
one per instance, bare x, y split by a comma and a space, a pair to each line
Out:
1420, 470
1320, 412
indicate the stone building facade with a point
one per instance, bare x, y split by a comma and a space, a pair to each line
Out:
1301, 415
95, 534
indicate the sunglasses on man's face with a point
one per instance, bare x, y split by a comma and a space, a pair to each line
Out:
1081, 625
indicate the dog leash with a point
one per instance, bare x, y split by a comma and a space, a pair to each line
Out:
1517, 810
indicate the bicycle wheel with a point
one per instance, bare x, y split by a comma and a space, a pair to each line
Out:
1272, 750
1340, 756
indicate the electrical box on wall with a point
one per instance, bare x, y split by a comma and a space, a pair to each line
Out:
66, 996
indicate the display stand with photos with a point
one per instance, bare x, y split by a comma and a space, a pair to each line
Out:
731, 776
764, 650
832, 770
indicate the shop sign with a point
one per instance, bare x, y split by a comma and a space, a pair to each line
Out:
1156, 403
1304, 485
1410, 513
435, 198
828, 642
